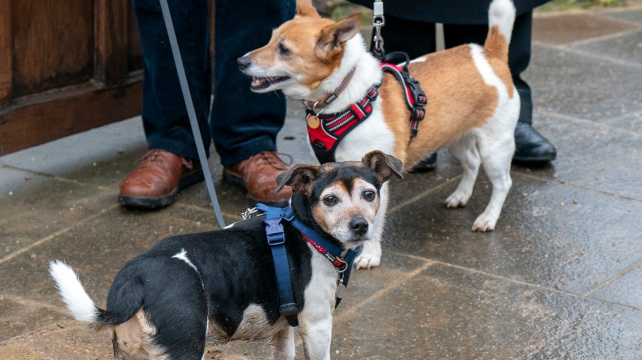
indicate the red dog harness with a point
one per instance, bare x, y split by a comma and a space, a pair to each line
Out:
325, 131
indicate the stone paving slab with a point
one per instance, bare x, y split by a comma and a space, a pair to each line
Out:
19, 317
97, 249
542, 237
13, 181
566, 28
491, 319
617, 180
59, 158
49, 207
585, 87
634, 15
631, 122
624, 290
583, 147
626, 47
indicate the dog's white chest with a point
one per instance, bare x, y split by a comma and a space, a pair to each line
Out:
372, 134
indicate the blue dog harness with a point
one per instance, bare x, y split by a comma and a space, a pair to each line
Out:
340, 258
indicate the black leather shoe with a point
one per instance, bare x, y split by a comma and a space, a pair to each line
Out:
531, 146
425, 165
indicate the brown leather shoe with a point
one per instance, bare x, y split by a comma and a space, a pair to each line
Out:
157, 179
257, 174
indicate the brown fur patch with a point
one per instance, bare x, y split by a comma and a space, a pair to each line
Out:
496, 45
458, 100
319, 216
295, 35
134, 339
496, 50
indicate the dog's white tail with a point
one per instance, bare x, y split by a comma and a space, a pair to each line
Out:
73, 294
501, 16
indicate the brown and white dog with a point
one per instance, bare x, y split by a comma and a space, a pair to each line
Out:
472, 107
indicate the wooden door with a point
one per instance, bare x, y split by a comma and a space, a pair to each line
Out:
66, 66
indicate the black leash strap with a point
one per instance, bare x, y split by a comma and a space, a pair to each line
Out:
191, 113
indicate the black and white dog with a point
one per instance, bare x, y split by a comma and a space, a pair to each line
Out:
222, 284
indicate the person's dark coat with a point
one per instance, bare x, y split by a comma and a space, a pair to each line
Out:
462, 12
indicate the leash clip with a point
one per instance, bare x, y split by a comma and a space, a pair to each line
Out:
251, 212
378, 21
314, 108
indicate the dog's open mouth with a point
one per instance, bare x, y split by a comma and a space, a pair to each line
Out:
261, 83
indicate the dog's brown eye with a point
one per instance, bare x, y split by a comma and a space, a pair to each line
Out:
330, 200
282, 49
369, 195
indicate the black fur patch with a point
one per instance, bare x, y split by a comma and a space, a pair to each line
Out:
236, 269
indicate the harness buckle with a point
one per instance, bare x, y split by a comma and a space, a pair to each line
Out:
288, 309
418, 113
274, 232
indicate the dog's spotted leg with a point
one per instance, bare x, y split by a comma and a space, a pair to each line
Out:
282, 344
464, 149
371, 253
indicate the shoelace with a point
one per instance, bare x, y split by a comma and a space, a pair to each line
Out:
157, 156
271, 158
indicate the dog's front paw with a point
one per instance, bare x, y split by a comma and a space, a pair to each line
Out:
370, 256
485, 223
366, 262
457, 199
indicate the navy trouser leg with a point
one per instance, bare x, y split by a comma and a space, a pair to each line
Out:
244, 123
164, 115
418, 38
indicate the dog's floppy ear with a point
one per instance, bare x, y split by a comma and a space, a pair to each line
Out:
305, 8
333, 37
384, 166
300, 177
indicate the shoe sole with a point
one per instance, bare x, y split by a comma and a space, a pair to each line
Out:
236, 180
157, 202
526, 159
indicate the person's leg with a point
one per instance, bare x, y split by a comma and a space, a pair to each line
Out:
244, 124
531, 146
416, 38
164, 114
168, 166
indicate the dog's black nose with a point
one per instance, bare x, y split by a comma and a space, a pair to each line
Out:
244, 62
359, 226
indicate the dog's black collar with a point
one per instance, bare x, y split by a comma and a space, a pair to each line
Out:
276, 239
342, 259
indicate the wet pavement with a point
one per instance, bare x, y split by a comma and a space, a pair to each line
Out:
560, 278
